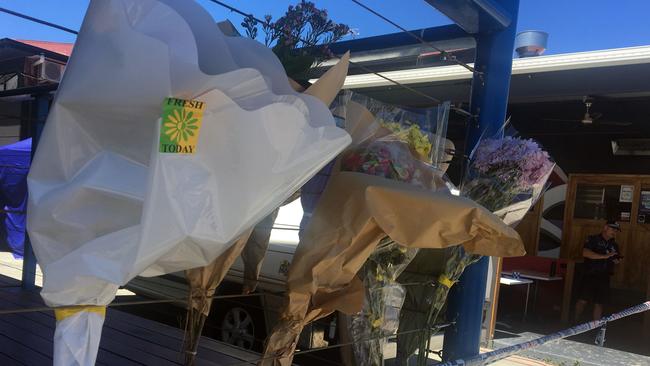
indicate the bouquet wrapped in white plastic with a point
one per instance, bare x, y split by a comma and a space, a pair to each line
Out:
116, 191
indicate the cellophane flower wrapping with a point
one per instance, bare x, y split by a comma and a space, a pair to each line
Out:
379, 317
506, 175
397, 146
391, 159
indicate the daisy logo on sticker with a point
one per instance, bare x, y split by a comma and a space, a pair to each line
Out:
180, 125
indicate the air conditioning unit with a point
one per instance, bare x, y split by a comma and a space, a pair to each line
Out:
631, 146
42, 69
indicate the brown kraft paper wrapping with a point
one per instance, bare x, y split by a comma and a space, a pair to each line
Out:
355, 212
203, 281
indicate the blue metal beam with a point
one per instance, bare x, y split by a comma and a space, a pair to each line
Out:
489, 100
498, 15
400, 39
28, 280
42, 107
476, 16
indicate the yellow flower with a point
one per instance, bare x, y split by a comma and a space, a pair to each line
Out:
180, 126
413, 136
377, 322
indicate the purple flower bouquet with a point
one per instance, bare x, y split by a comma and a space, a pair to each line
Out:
507, 174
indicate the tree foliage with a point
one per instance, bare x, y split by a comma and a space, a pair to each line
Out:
300, 38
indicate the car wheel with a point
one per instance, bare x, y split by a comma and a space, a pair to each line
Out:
238, 328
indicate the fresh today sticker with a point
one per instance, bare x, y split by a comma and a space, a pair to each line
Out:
180, 125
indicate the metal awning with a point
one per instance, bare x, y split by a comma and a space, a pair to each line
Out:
620, 73
529, 65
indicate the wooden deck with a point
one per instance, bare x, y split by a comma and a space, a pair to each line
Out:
26, 338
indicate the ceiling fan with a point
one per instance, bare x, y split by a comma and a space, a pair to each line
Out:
590, 118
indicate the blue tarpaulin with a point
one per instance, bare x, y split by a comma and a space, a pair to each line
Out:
14, 166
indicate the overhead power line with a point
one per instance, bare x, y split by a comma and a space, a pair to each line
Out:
311, 44
39, 21
446, 55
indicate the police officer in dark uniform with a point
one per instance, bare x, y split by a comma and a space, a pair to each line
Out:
601, 254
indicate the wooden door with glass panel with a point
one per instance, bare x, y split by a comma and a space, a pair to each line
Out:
591, 201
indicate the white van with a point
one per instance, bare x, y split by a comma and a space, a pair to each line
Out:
245, 321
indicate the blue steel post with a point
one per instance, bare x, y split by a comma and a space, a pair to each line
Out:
489, 100
42, 106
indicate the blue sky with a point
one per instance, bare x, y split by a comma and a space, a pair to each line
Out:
574, 25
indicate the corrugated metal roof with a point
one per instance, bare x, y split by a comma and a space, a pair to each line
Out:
64, 49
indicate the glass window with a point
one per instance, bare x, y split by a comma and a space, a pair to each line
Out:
603, 202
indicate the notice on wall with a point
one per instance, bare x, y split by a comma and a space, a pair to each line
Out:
627, 192
644, 205
625, 216
644, 208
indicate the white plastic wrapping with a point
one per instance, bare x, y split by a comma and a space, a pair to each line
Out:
76, 338
105, 205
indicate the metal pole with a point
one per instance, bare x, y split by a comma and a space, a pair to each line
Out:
489, 101
42, 107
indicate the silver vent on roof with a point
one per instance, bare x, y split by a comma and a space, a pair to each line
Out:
531, 43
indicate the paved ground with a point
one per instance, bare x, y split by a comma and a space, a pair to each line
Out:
570, 352
436, 343
626, 343
579, 351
